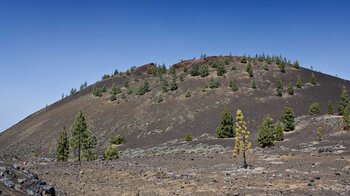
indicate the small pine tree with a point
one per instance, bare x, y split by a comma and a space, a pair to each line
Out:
290, 89
266, 133
330, 110
62, 146
204, 71
165, 85
253, 84
225, 129
344, 101
282, 67
250, 70
116, 140
299, 82
242, 141
173, 85
288, 119
313, 79
111, 153
279, 88
188, 137
314, 109
233, 85
214, 83
346, 118
279, 131
319, 134
296, 64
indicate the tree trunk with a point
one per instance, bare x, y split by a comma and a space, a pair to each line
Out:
244, 160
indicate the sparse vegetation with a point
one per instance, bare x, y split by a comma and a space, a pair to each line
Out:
62, 146
313, 79
173, 85
288, 119
290, 89
188, 137
233, 85
314, 109
244, 59
319, 134
346, 118
225, 129
214, 83
116, 140
279, 87
282, 67
111, 153
165, 86
143, 89
299, 82
253, 84
220, 69
250, 70
195, 70
330, 110
188, 94
204, 71
242, 139
296, 64
265, 67
266, 133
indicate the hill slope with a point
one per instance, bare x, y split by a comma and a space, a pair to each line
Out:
157, 118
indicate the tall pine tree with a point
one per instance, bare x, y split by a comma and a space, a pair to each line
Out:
62, 146
225, 129
79, 134
344, 101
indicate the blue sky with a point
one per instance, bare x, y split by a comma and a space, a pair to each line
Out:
48, 47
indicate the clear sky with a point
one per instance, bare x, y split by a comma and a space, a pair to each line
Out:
49, 46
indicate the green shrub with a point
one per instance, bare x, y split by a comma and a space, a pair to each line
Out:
116, 140
290, 89
165, 86
233, 85
143, 89
106, 76
188, 94
282, 67
314, 109
195, 70
111, 153
244, 59
173, 85
265, 67
299, 82
249, 69
214, 83
97, 92
220, 70
253, 84
188, 137
204, 71
319, 134
330, 110
279, 88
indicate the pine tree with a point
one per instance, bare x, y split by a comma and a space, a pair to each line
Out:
253, 84
299, 82
165, 86
225, 129
279, 87
288, 119
266, 133
282, 67
204, 71
173, 85
265, 67
89, 146
79, 134
62, 146
346, 118
111, 152
313, 79
290, 89
250, 70
233, 85
330, 110
296, 64
163, 69
279, 131
242, 140
344, 101
314, 109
